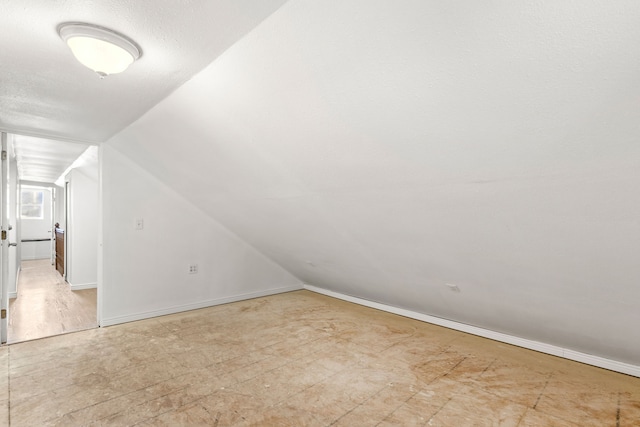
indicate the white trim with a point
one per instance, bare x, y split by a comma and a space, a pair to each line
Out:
83, 286
196, 305
30, 258
48, 185
565, 353
15, 294
100, 252
45, 135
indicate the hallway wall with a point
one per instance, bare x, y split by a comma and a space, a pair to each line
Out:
37, 229
81, 234
15, 252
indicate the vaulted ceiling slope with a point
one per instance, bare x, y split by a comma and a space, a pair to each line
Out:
44, 91
384, 149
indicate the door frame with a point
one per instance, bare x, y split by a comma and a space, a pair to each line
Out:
4, 246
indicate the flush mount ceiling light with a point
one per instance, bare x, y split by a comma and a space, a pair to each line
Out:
100, 49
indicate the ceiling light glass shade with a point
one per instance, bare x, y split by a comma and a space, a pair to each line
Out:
98, 48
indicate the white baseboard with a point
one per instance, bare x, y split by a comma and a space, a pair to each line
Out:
83, 286
565, 353
196, 305
13, 295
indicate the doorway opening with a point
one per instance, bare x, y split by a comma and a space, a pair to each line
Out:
45, 305
52, 225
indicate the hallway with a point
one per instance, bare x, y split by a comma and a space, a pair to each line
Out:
47, 306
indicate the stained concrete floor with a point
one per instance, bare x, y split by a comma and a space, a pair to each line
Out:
299, 359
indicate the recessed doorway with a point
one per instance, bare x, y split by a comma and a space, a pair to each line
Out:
53, 203
46, 305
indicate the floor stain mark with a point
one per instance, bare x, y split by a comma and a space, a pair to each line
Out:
359, 405
439, 409
488, 366
618, 412
542, 392
399, 406
455, 366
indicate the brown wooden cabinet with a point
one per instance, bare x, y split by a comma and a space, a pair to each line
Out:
60, 251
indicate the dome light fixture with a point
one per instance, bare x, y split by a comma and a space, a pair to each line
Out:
98, 48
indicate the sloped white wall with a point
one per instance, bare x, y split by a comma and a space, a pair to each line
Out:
384, 149
146, 271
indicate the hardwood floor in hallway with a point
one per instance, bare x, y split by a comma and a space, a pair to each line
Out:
47, 306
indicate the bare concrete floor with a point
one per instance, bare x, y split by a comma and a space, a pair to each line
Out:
300, 359
47, 306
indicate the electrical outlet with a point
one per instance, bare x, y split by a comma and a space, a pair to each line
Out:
139, 224
193, 268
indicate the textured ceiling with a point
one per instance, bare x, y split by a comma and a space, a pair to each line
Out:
44, 91
44, 160
384, 149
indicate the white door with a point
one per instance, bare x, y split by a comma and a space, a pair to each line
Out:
4, 248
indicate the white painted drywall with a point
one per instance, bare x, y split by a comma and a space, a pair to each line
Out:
13, 234
36, 250
383, 149
146, 271
81, 234
58, 206
59, 216
37, 229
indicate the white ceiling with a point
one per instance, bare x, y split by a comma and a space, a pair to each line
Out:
44, 160
45, 92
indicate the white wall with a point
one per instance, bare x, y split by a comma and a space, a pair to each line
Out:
146, 271
37, 229
14, 234
81, 234
36, 250
58, 214
383, 150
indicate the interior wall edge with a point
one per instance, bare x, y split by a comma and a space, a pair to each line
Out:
110, 321
565, 353
32, 258
14, 294
48, 135
82, 286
